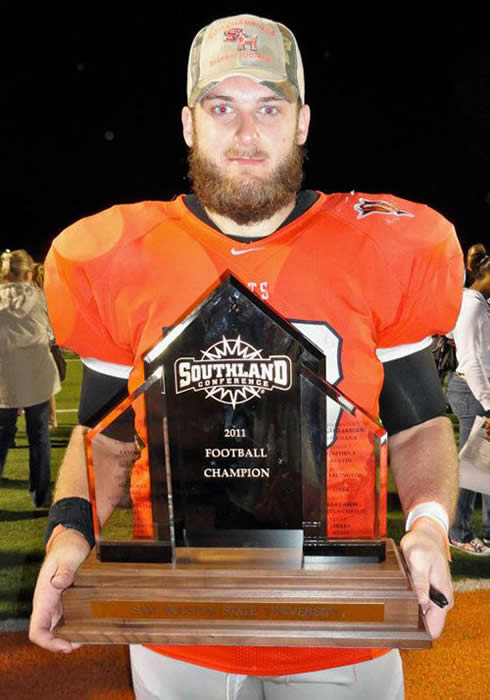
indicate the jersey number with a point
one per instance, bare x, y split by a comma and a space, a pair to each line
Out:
330, 343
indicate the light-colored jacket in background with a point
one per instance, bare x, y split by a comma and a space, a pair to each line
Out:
28, 373
472, 338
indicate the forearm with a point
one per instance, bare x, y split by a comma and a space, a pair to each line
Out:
72, 478
68, 546
424, 463
112, 460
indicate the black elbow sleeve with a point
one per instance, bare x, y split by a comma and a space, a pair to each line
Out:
98, 395
411, 393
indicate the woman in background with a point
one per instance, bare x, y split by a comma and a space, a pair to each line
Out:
476, 253
469, 394
38, 279
28, 373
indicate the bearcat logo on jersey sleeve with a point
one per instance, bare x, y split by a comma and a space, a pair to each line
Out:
232, 371
365, 207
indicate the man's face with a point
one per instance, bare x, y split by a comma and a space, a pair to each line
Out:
246, 149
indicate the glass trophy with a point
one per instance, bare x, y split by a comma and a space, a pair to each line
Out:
246, 445
248, 503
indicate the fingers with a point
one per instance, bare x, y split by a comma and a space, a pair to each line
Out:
63, 577
46, 613
420, 582
38, 634
57, 573
427, 563
435, 619
435, 616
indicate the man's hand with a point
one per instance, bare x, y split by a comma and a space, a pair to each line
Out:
66, 552
425, 551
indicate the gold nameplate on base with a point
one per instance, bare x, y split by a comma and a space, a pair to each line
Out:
259, 597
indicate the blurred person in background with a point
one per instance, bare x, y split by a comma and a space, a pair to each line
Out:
28, 374
476, 253
38, 279
469, 393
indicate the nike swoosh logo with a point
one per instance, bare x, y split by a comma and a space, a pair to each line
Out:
234, 251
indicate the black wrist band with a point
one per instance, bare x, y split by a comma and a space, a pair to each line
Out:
73, 513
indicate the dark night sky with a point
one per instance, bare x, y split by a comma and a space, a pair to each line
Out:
90, 109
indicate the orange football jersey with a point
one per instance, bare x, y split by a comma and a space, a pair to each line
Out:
365, 277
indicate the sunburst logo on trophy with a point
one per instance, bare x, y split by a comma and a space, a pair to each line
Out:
233, 372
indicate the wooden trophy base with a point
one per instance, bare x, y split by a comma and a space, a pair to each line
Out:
245, 597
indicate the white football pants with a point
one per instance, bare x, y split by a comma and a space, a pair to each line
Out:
157, 677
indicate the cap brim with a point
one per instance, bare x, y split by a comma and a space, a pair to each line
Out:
277, 82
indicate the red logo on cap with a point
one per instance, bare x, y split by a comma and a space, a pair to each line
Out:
244, 40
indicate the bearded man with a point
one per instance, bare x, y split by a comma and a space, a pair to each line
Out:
356, 272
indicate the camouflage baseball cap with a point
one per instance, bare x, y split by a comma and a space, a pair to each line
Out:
250, 46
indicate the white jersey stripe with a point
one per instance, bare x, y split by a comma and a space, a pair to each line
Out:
384, 354
395, 353
110, 368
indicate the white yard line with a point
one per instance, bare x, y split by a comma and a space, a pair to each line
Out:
66, 410
467, 585
14, 624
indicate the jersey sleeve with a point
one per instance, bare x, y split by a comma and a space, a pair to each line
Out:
418, 286
85, 281
72, 273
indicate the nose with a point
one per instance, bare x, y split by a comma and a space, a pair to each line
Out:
246, 132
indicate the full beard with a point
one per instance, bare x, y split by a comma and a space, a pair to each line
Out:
247, 199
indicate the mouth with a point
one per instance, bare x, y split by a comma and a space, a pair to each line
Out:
255, 158
246, 160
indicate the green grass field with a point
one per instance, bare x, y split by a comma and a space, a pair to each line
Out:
22, 525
